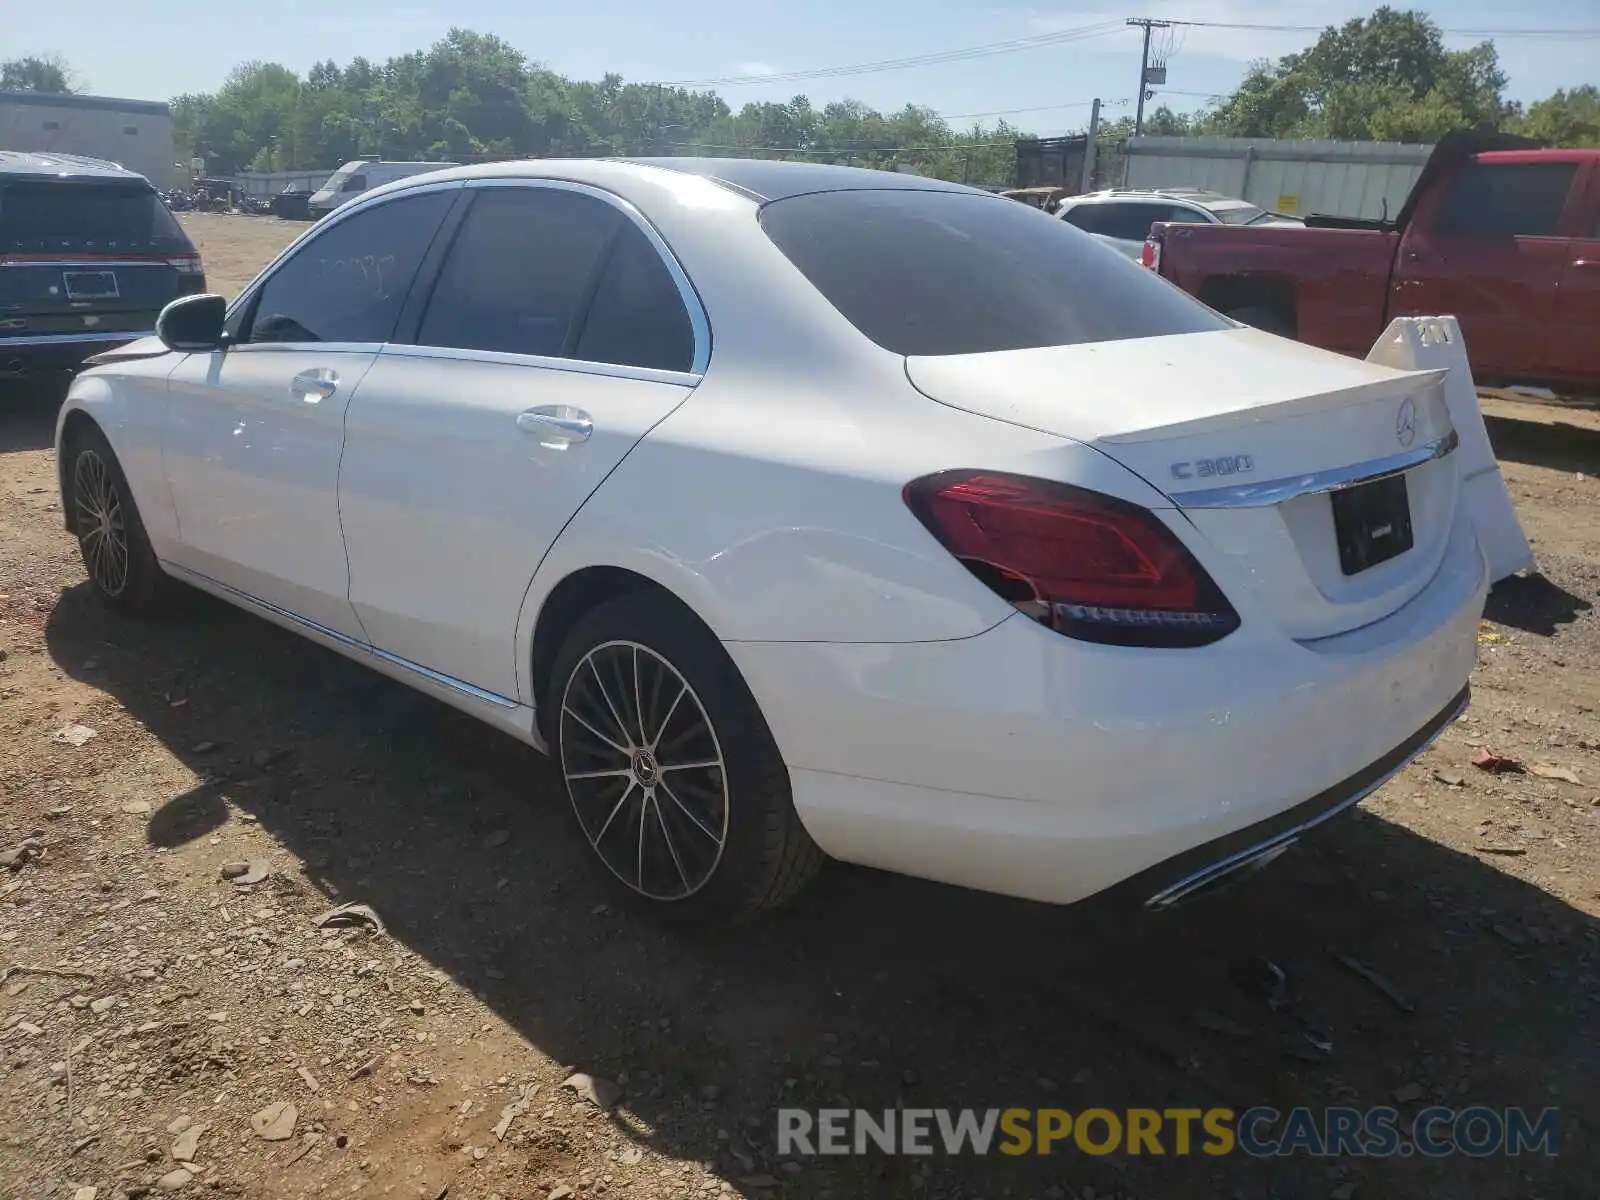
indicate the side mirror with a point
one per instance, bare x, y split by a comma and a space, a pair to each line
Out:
192, 323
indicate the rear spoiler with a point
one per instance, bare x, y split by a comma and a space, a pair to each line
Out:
1448, 153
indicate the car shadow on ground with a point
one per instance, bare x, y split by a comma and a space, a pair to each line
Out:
28, 416
876, 990
1533, 603
1558, 445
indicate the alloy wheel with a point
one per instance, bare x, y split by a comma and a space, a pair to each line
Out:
102, 529
645, 770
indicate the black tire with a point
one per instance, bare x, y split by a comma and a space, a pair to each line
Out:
765, 857
1268, 320
116, 551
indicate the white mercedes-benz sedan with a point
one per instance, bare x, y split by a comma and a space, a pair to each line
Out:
802, 511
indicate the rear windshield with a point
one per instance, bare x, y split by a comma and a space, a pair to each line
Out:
1237, 214
87, 218
927, 272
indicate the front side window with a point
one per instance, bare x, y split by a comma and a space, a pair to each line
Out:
348, 284
1506, 199
932, 272
356, 183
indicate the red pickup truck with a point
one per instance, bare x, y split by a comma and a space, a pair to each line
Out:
1498, 234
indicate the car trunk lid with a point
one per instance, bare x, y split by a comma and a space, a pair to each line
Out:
1257, 441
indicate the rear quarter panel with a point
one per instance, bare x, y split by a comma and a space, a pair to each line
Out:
1336, 279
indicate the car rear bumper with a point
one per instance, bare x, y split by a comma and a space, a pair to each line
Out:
1025, 763
45, 354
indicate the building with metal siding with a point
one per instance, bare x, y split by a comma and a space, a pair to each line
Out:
136, 134
1341, 179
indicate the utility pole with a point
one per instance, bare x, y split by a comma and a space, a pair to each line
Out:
1144, 67
1087, 183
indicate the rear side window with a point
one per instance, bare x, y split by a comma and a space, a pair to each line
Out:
348, 283
1507, 199
87, 218
637, 318
926, 272
520, 273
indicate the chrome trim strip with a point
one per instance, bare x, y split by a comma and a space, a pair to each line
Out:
449, 681
67, 339
1277, 844
94, 264
699, 322
306, 348
1276, 491
575, 365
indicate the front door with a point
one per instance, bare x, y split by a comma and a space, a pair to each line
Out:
556, 336
254, 432
1488, 249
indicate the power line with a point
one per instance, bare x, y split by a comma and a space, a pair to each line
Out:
1486, 33
961, 54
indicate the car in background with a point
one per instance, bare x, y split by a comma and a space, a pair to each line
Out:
799, 510
362, 175
89, 256
1121, 217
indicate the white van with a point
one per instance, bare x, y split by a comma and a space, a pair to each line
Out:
364, 174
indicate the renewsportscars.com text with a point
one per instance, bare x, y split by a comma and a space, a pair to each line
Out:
1477, 1131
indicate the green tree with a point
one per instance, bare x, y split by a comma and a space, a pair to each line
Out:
1386, 77
1567, 118
37, 73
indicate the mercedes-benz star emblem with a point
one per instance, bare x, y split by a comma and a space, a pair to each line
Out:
1405, 424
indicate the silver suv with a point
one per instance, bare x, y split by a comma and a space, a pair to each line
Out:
1121, 217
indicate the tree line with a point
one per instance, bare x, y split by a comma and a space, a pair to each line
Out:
474, 97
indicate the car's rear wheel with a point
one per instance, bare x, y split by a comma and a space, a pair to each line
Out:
673, 775
116, 551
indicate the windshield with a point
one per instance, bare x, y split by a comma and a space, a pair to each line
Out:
931, 272
335, 182
87, 218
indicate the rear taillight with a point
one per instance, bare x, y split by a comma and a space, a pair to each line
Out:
185, 264
1087, 565
1150, 256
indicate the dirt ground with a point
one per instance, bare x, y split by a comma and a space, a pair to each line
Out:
177, 1000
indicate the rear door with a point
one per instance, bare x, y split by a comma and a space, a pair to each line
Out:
558, 332
1488, 247
254, 431
1573, 348
86, 260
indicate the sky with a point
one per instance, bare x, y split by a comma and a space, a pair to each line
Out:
121, 49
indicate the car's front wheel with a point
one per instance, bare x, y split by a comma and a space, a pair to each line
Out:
673, 775
116, 551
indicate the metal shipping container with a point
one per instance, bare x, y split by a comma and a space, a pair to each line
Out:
1343, 179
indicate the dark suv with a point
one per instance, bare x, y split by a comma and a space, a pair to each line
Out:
89, 255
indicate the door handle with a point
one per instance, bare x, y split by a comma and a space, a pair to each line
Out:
315, 385
1591, 263
558, 425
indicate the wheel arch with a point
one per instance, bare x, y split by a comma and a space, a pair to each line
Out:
75, 422
1274, 293
560, 608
